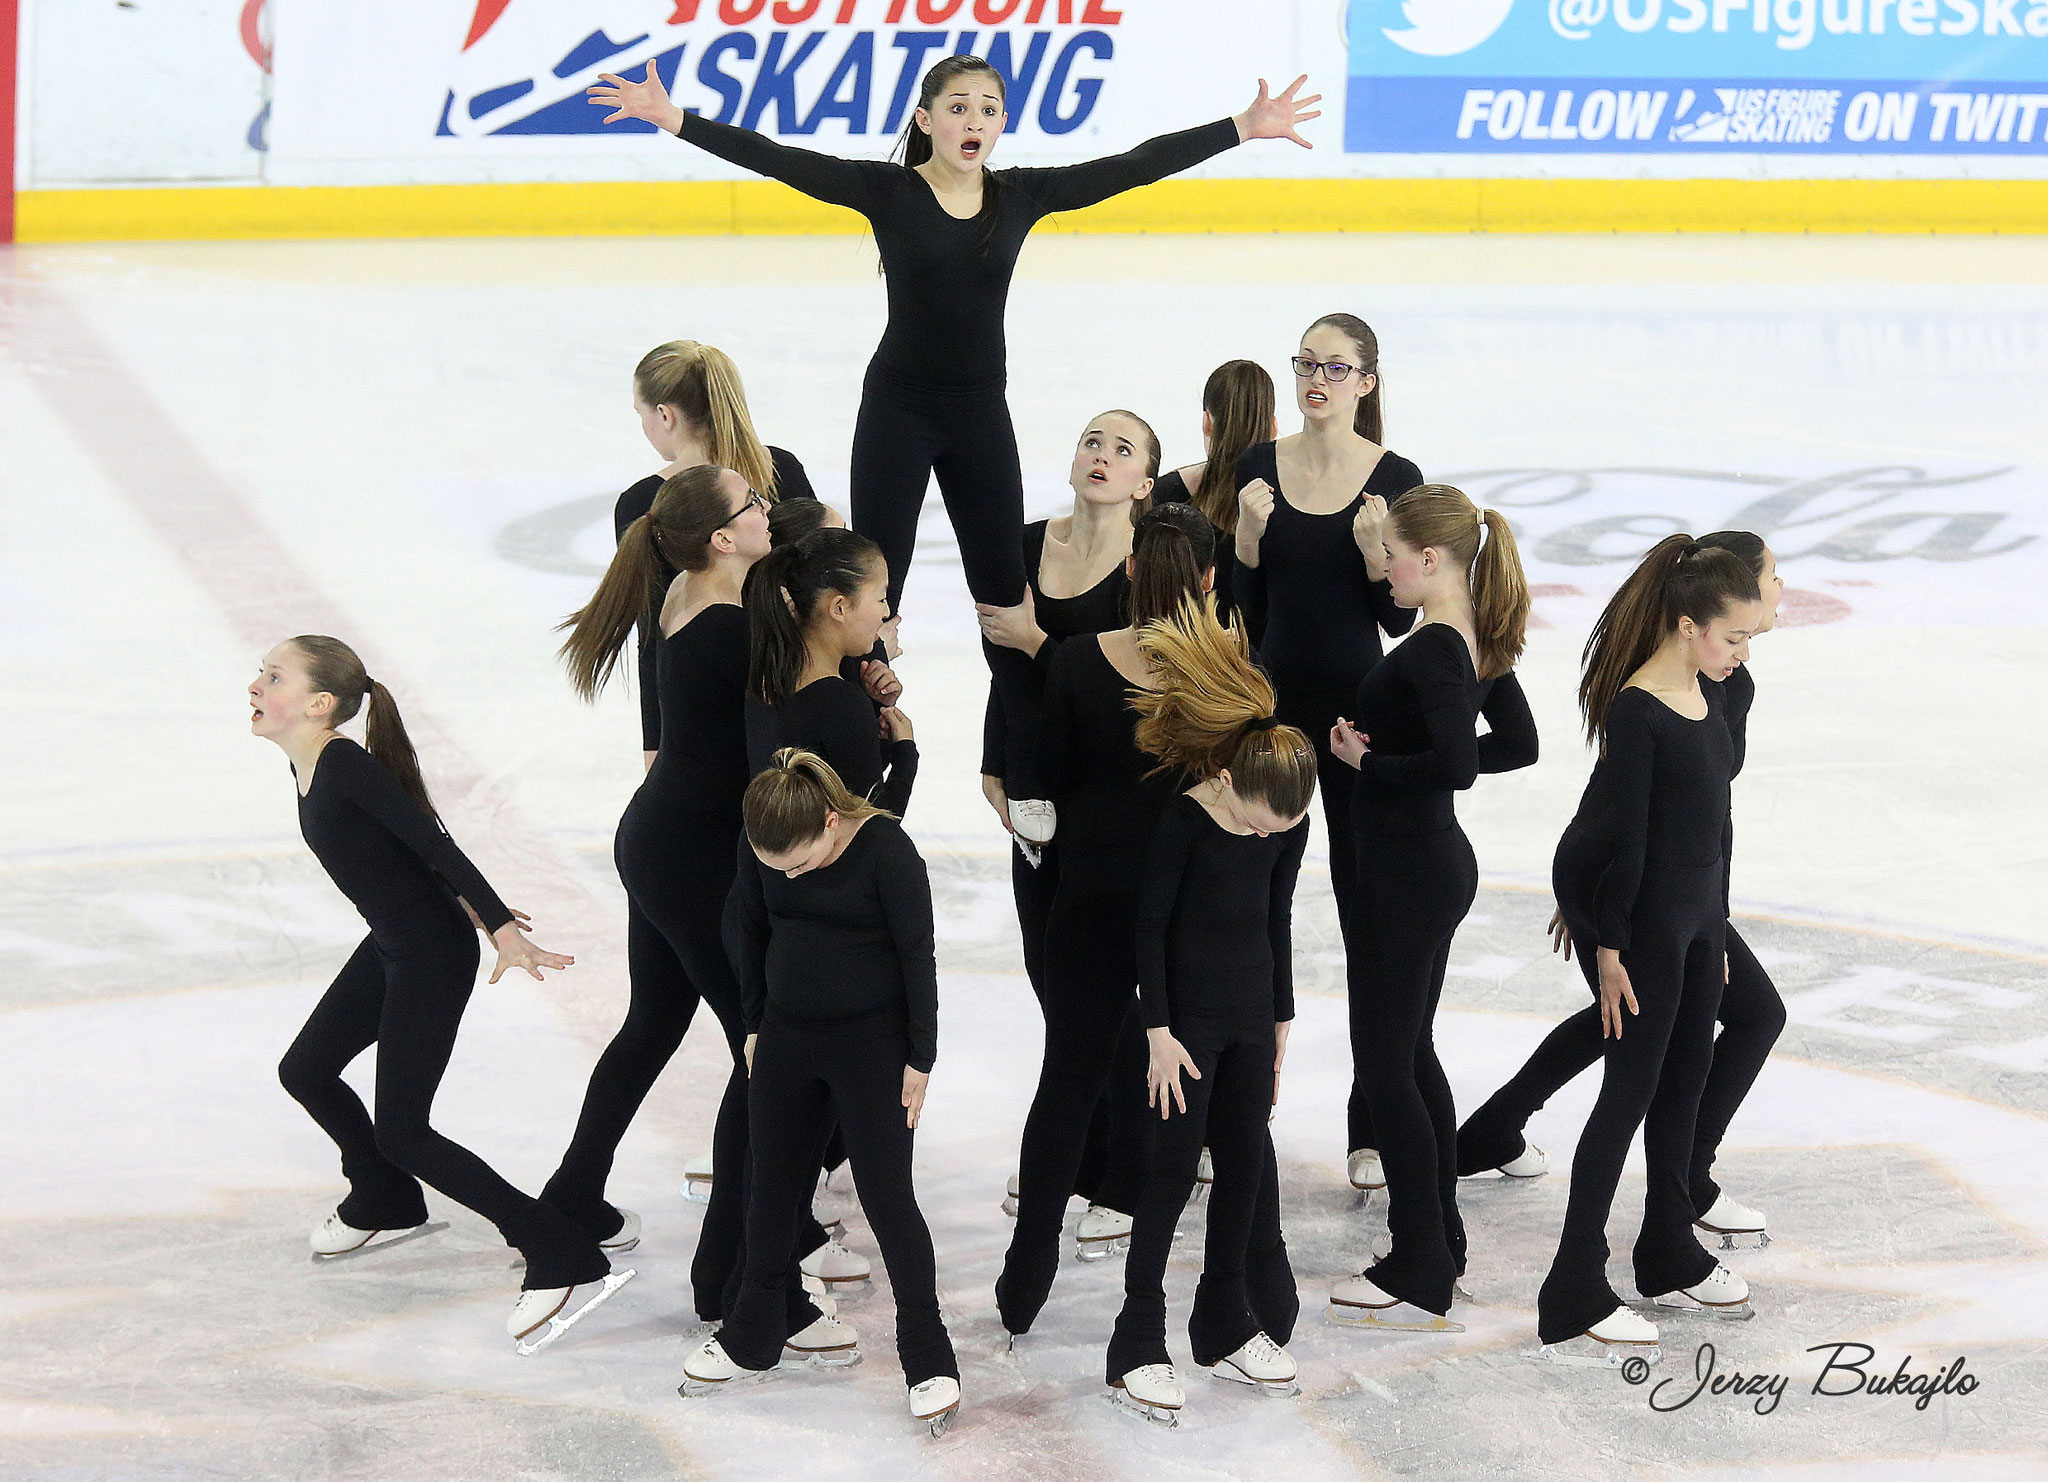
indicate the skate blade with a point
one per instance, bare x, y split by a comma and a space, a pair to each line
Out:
1591, 1353
1120, 1398
697, 1389
1279, 1389
382, 1240
940, 1423
822, 1358
1362, 1200
697, 1191
557, 1324
1101, 1250
1684, 1306
621, 1248
1373, 1317
1735, 1239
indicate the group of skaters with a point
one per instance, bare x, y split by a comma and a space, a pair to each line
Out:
1179, 665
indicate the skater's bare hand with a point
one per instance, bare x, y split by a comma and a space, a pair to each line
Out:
519, 917
1560, 934
992, 789
752, 1039
1254, 509
896, 726
1162, 1077
1615, 990
646, 99
1269, 117
892, 641
881, 683
1012, 627
1368, 528
1348, 743
914, 1083
515, 951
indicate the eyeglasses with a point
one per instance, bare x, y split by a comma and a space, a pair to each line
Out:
1333, 370
754, 501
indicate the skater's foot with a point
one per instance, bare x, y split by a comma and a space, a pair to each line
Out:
625, 1238
834, 1270
1012, 1192
828, 1343
1102, 1233
935, 1402
334, 1237
834, 1193
1611, 1342
709, 1369
1033, 819
697, 1175
1723, 1294
1262, 1364
1363, 1167
1153, 1391
1358, 1303
543, 1314
1530, 1162
1737, 1226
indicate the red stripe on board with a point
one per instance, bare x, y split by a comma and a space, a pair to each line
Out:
10, 27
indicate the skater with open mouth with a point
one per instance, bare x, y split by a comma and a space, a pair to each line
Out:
366, 816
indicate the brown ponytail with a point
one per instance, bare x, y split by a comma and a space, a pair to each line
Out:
702, 383
1171, 546
1444, 518
785, 807
674, 534
1213, 712
1239, 400
333, 668
782, 592
1367, 421
1679, 578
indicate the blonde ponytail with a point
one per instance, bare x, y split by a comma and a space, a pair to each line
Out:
786, 806
702, 383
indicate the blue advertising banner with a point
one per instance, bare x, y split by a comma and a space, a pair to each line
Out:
1944, 77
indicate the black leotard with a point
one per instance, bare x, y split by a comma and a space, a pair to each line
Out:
834, 718
946, 295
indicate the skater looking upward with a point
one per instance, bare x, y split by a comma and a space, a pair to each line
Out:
693, 412
830, 930
1215, 973
1752, 1014
1641, 875
1088, 1132
366, 816
948, 230
1237, 415
1413, 745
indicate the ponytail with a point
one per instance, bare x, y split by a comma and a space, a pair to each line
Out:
1679, 578
675, 533
1239, 400
1746, 545
1367, 421
333, 668
1172, 545
702, 383
1445, 519
783, 591
1214, 712
786, 806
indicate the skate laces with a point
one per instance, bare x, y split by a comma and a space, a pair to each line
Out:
1263, 1347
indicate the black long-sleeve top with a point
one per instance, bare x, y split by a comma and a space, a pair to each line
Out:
1657, 799
1419, 708
1308, 605
394, 863
1738, 693
848, 940
835, 718
1097, 610
1215, 921
1109, 795
946, 293
791, 482
701, 686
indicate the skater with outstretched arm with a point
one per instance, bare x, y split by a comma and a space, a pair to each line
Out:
365, 813
949, 230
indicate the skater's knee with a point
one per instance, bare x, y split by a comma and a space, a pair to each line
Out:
403, 1141
302, 1073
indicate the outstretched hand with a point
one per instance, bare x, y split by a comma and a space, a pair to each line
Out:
1275, 118
515, 951
646, 99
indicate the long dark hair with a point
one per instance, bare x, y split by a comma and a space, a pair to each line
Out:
1239, 400
1368, 421
333, 668
1746, 544
1679, 578
1171, 546
783, 591
914, 145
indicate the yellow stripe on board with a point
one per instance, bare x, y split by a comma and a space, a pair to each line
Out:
717, 208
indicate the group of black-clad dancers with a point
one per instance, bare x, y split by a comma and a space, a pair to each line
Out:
1178, 664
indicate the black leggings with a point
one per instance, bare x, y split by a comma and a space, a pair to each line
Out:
405, 994
804, 1074
1752, 1016
1247, 1285
1034, 890
1401, 943
904, 436
1652, 1079
1094, 1052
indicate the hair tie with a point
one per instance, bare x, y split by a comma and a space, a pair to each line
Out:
1479, 512
789, 601
1262, 722
368, 683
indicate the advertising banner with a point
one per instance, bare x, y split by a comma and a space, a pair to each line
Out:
1940, 77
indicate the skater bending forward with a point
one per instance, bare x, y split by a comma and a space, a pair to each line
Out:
367, 818
829, 928
1216, 992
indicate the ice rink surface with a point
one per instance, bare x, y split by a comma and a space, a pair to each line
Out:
206, 448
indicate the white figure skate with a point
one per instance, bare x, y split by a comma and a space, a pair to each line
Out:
1261, 1364
1366, 1175
1608, 1344
1034, 820
542, 1311
936, 1402
697, 1179
834, 1271
1012, 1192
1101, 1233
627, 1237
1737, 1225
1723, 1294
1356, 1302
1152, 1391
334, 1240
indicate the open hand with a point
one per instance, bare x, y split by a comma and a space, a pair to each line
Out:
1162, 1076
914, 1083
1560, 934
1615, 990
1275, 118
515, 951
649, 100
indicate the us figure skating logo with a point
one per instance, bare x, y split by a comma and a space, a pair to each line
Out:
1445, 28
525, 64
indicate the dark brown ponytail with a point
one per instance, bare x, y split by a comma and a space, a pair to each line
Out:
1239, 400
1679, 578
783, 591
333, 668
1172, 545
